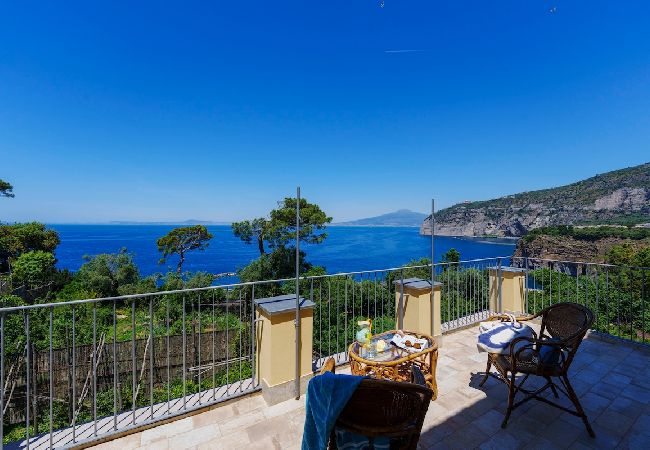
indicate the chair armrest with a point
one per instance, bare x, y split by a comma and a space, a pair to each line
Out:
417, 377
329, 366
532, 345
503, 317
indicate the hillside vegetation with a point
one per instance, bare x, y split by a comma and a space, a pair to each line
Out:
590, 233
619, 197
613, 245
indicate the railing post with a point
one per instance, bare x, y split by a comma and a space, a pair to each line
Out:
275, 361
500, 281
435, 302
526, 287
507, 289
421, 307
2, 375
297, 321
400, 304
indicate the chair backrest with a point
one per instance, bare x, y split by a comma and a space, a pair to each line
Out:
386, 408
567, 322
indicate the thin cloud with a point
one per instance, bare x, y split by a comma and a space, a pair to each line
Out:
405, 51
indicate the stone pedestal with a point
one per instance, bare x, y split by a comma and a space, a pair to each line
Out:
512, 284
275, 346
414, 295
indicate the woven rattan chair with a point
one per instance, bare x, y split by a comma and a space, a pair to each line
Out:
548, 355
381, 408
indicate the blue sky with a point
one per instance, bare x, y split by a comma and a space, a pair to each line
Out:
215, 110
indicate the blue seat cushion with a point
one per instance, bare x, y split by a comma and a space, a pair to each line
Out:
549, 355
346, 440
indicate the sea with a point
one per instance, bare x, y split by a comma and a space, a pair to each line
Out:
346, 249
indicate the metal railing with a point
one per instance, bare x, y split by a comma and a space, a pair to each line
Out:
73, 371
77, 370
343, 299
618, 295
465, 291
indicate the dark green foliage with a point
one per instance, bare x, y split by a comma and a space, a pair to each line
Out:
417, 268
108, 275
253, 230
343, 301
280, 233
24, 237
283, 223
628, 255
619, 296
279, 264
189, 280
279, 230
33, 269
6, 189
451, 257
181, 240
590, 233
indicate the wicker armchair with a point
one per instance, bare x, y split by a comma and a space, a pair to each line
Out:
548, 355
380, 408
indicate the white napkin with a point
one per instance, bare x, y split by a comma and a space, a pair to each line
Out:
400, 341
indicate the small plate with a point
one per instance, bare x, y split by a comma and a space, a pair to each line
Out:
400, 341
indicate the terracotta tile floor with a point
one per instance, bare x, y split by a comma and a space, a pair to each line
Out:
612, 379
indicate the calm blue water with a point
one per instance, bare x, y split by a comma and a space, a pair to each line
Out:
346, 249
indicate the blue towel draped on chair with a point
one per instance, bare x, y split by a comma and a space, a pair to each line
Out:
327, 395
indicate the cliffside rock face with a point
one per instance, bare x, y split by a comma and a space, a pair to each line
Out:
564, 248
622, 196
489, 222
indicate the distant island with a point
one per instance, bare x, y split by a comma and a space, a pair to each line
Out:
620, 197
401, 218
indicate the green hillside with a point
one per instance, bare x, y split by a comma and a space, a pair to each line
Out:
620, 197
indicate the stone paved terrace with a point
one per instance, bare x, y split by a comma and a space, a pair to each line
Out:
612, 379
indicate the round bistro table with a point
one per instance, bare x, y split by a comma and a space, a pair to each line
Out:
394, 363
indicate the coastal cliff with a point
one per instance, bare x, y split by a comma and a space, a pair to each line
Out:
566, 244
618, 197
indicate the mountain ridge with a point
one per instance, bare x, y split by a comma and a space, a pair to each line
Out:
620, 197
399, 218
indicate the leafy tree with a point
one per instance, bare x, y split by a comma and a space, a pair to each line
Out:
629, 255
283, 223
6, 189
173, 281
249, 230
452, 257
280, 263
24, 237
109, 275
14, 324
280, 229
34, 268
589, 234
181, 240
279, 232
7, 301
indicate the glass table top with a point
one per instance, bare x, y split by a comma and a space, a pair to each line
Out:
372, 352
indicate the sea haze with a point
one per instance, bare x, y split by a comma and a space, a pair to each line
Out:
346, 248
